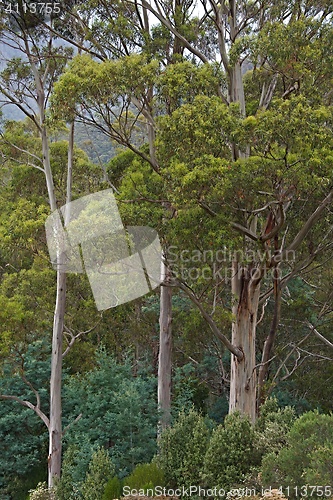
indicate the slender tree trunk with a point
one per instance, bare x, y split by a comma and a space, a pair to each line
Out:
55, 426
55, 429
165, 351
269, 342
245, 293
236, 92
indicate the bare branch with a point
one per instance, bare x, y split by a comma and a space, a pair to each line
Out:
263, 310
21, 150
207, 209
319, 335
36, 393
298, 362
307, 226
19, 105
244, 230
174, 31
74, 338
69, 425
234, 350
27, 404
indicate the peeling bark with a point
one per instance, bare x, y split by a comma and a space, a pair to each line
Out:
245, 293
269, 342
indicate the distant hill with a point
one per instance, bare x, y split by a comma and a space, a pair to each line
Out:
96, 144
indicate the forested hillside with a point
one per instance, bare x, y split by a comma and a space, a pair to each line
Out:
212, 124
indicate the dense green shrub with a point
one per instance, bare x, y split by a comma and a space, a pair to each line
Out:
182, 449
23, 436
113, 489
101, 470
118, 412
306, 456
188, 390
41, 492
145, 476
320, 470
231, 452
272, 427
72, 472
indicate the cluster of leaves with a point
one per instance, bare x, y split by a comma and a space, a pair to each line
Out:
23, 436
117, 412
306, 457
280, 450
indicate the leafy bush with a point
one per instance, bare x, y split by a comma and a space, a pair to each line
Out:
182, 449
72, 475
188, 390
118, 412
145, 476
320, 470
113, 489
41, 492
273, 426
22, 464
101, 470
231, 452
306, 456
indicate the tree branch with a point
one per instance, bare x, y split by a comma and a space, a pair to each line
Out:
234, 350
319, 335
173, 30
306, 228
27, 404
69, 425
244, 230
276, 229
77, 336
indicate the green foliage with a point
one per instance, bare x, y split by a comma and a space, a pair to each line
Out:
289, 163
306, 455
113, 489
291, 49
273, 426
181, 82
68, 487
101, 469
118, 412
145, 476
320, 470
188, 391
182, 449
231, 452
41, 492
87, 82
23, 436
202, 128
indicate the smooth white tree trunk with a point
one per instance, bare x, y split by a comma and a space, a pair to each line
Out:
55, 426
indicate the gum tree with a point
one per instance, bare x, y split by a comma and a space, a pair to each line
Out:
26, 82
244, 156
